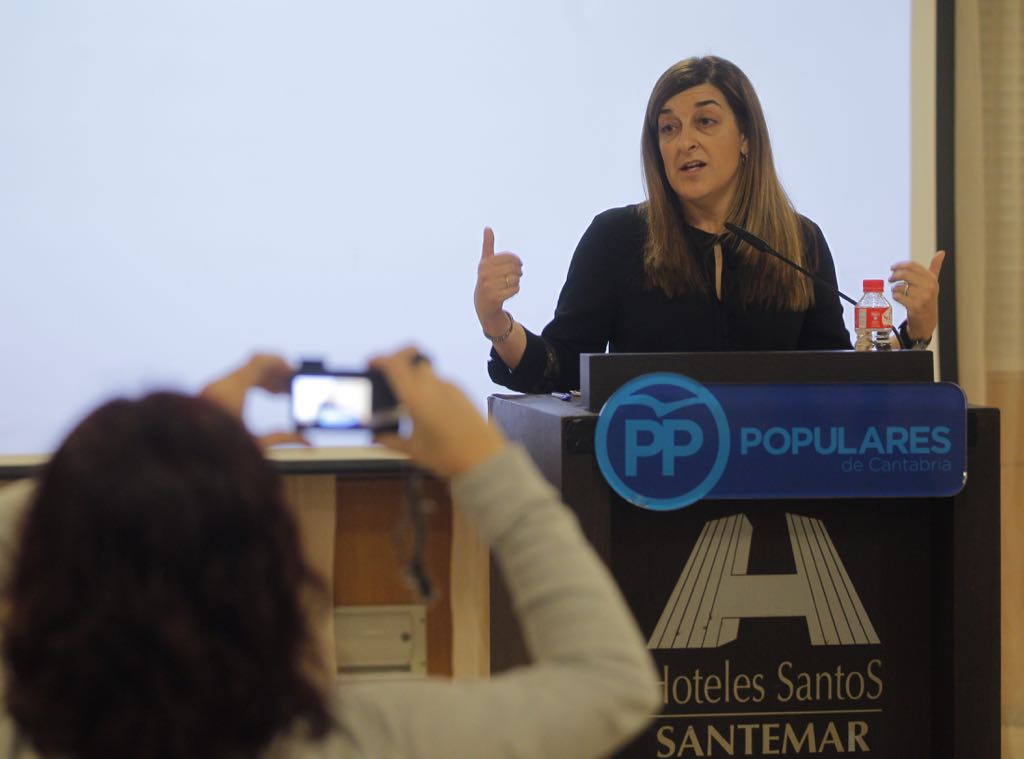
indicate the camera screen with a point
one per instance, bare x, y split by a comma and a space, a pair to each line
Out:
332, 401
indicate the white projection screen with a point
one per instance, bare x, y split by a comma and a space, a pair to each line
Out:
183, 183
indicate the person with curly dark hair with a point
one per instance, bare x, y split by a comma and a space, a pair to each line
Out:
158, 574
157, 599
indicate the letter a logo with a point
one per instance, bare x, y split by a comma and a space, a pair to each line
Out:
714, 591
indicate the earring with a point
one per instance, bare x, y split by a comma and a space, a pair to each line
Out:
743, 157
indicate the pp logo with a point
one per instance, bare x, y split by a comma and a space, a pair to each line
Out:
662, 441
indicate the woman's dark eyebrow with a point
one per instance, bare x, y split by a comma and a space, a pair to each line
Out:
698, 104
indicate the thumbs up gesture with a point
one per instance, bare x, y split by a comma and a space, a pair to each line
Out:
497, 280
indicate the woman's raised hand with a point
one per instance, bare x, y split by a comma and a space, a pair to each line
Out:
919, 294
497, 280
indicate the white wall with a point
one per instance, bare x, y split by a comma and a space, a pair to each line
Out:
182, 182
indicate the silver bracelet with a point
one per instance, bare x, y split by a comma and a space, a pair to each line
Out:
505, 335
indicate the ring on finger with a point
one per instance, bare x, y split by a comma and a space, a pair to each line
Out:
507, 285
906, 288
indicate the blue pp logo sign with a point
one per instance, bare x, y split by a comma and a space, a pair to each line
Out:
662, 441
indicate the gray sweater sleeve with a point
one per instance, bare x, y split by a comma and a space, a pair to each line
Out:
591, 686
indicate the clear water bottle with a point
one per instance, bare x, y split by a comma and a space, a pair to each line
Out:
873, 318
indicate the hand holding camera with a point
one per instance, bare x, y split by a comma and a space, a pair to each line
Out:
449, 436
263, 370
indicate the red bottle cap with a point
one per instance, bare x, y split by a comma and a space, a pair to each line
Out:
874, 285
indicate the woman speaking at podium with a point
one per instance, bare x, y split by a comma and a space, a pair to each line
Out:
665, 275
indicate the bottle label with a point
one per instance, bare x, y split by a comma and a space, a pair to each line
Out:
873, 317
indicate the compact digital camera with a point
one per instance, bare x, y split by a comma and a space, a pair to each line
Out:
342, 400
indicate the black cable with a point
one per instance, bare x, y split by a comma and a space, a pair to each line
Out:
413, 529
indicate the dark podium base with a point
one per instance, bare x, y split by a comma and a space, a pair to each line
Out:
926, 570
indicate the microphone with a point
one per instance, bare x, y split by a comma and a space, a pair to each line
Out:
756, 242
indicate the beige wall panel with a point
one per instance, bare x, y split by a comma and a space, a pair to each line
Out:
312, 498
470, 592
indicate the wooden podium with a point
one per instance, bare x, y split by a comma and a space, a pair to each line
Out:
925, 570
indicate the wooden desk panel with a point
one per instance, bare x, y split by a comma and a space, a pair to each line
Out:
372, 540
350, 524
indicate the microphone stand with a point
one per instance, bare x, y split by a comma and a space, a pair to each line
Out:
758, 244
